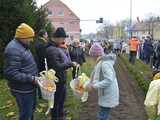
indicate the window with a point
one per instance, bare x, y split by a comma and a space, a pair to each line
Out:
61, 13
50, 13
72, 23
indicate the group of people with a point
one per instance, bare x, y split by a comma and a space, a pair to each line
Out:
146, 49
21, 70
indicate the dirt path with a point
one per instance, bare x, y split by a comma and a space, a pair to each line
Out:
131, 100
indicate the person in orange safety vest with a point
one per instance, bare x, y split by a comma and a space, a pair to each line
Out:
133, 43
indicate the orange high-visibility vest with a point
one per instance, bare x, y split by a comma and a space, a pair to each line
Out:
134, 44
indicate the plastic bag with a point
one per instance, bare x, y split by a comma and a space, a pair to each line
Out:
78, 88
48, 87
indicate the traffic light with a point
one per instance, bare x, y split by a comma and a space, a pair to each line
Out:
100, 20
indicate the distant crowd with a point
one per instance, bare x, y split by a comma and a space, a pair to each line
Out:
146, 49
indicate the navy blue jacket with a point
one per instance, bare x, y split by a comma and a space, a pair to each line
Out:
148, 48
56, 61
77, 55
19, 67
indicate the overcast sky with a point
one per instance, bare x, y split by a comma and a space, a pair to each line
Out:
112, 10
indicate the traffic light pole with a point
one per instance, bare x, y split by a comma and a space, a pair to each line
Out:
97, 21
130, 31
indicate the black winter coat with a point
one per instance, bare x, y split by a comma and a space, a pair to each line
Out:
77, 55
148, 48
40, 48
56, 61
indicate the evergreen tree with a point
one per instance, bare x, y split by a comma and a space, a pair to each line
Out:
15, 12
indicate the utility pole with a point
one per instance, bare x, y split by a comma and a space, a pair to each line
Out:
152, 23
130, 30
151, 27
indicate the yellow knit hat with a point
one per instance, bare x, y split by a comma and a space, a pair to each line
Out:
24, 31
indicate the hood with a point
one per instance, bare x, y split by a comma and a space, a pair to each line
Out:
109, 57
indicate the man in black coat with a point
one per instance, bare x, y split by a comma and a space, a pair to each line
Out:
56, 61
40, 49
148, 50
77, 54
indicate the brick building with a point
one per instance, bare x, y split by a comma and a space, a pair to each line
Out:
62, 16
146, 28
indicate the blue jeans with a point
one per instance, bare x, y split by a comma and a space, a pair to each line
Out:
26, 103
104, 113
59, 99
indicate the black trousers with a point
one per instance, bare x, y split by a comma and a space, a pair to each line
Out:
132, 57
60, 96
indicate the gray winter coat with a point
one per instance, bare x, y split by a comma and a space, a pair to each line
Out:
105, 81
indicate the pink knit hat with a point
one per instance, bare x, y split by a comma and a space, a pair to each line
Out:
96, 50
